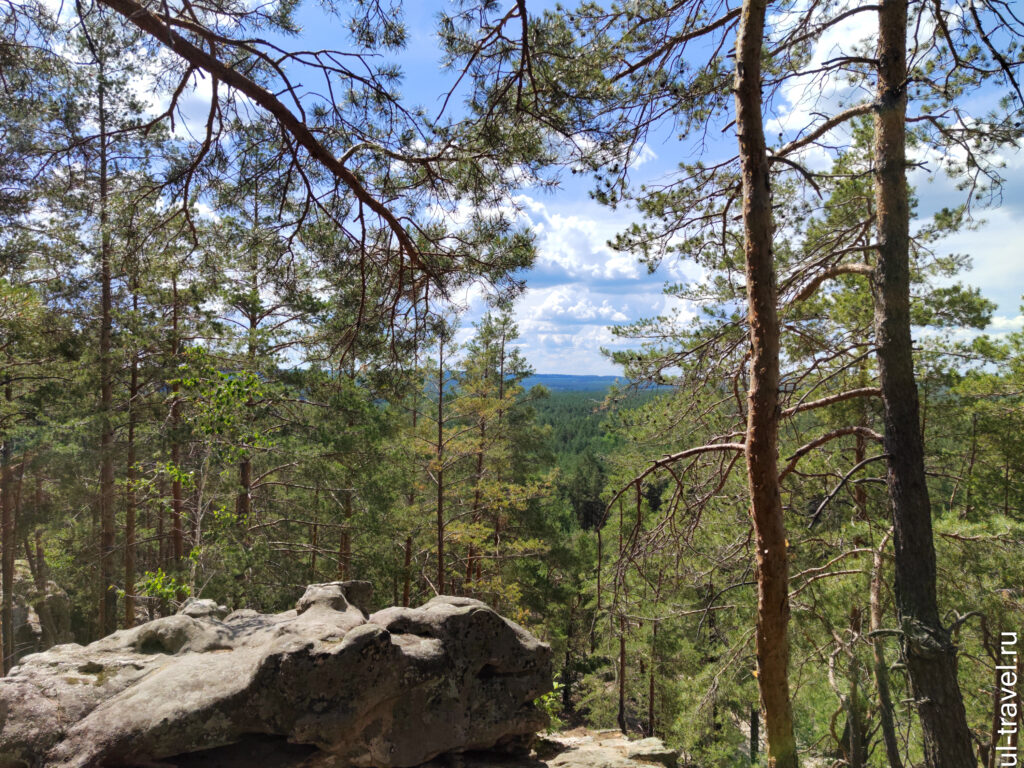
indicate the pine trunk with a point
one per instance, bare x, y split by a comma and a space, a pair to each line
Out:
762, 402
345, 541
177, 539
440, 470
7, 528
108, 584
407, 571
131, 503
927, 647
243, 502
622, 674
879, 667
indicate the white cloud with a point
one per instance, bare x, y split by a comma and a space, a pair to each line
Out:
567, 303
643, 155
804, 99
995, 248
1001, 324
578, 244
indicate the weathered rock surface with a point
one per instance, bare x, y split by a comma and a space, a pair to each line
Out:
323, 685
579, 748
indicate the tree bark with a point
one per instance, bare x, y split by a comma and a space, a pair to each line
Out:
407, 571
41, 568
7, 529
131, 504
763, 406
755, 738
476, 513
243, 502
440, 469
345, 541
879, 667
622, 674
926, 644
108, 584
177, 539
313, 544
650, 681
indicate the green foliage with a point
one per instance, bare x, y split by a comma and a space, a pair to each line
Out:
550, 704
161, 585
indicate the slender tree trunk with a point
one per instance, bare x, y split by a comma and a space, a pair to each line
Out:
440, 469
856, 757
131, 504
31, 557
650, 681
108, 583
243, 502
860, 494
927, 647
879, 667
1006, 487
567, 665
7, 528
477, 495
313, 544
161, 534
43, 571
345, 541
763, 407
622, 674
177, 539
407, 569
755, 737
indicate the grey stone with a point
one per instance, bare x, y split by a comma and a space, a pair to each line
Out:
608, 749
652, 750
579, 748
199, 609
393, 689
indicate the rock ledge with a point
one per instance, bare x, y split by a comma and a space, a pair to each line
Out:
578, 748
324, 685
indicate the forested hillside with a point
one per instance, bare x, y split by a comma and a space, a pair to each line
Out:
258, 331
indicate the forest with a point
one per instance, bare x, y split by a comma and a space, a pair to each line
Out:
235, 361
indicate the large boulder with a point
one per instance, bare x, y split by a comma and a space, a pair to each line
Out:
395, 688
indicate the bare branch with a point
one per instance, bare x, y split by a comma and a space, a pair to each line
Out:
668, 460
151, 24
831, 399
828, 274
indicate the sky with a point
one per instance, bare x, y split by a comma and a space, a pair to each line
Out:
579, 286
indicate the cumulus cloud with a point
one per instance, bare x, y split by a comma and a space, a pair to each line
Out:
1001, 324
568, 304
579, 287
802, 100
575, 246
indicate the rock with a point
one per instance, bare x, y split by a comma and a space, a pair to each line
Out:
609, 749
579, 748
323, 685
199, 609
652, 750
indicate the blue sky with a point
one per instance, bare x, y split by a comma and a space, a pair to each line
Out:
579, 286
